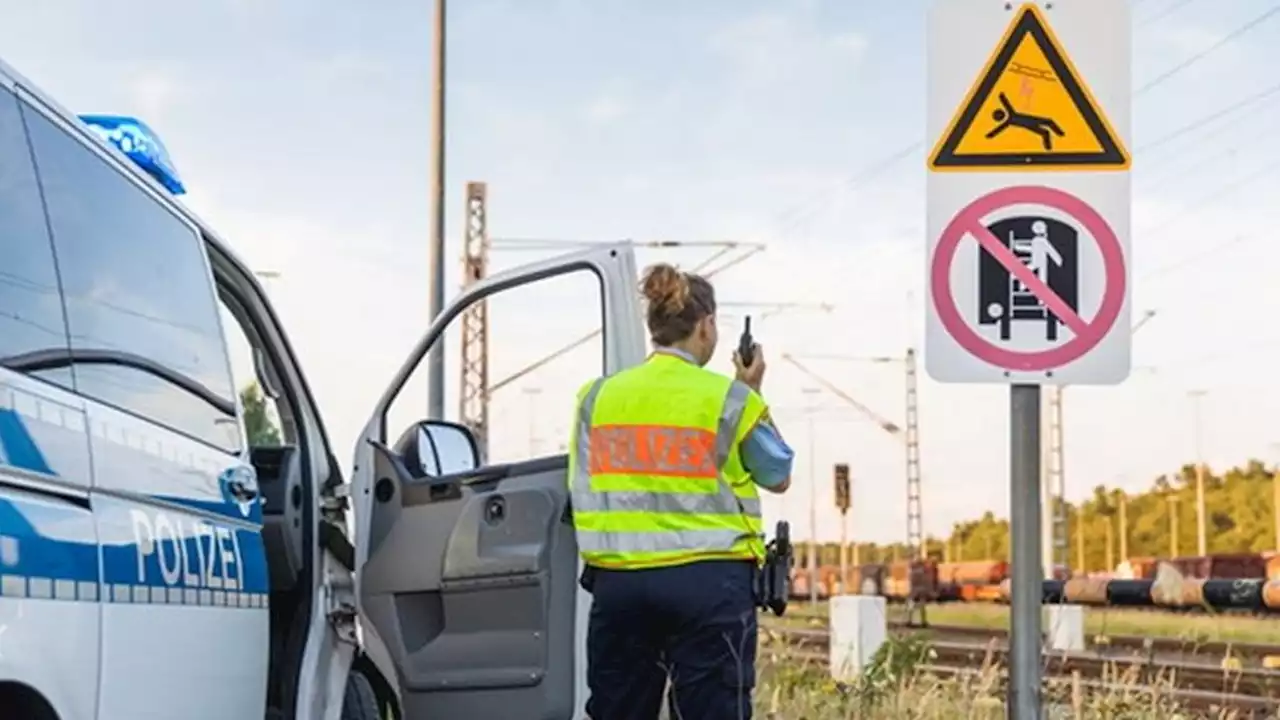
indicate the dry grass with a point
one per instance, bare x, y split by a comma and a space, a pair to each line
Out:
1202, 627
899, 685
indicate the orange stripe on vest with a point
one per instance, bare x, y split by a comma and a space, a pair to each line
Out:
653, 450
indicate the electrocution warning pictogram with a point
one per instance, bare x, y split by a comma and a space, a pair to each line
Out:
1029, 109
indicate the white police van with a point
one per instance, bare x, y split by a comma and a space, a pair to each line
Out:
156, 564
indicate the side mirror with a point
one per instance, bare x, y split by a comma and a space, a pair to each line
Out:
442, 448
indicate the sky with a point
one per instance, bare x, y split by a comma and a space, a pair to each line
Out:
302, 130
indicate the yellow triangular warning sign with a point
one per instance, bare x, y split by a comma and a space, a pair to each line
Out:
1029, 110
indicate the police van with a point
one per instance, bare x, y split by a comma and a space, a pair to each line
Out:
160, 560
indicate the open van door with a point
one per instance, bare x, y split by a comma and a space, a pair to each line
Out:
469, 572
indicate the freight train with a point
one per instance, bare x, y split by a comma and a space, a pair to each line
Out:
985, 580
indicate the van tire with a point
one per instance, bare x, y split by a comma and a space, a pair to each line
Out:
360, 702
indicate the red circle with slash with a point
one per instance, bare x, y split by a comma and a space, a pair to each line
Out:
1087, 333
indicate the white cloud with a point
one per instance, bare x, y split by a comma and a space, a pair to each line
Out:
347, 67
605, 109
771, 47
153, 93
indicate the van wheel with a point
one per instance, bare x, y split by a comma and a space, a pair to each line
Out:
360, 701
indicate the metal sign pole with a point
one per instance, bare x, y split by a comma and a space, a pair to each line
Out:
1030, 164
1027, 576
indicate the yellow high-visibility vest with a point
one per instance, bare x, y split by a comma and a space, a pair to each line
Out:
655, 475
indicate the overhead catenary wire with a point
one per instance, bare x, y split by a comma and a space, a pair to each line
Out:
907, 151
1220, 191
1268, 92
1222, 42
708, 268
870, 172
1167, 11
1168, 160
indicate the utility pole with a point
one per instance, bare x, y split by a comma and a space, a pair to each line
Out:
1054, 545
1124, 526
435, 359
1111, 560
813, 505
1201, 535
473, 401
1275, 494
1080, 562
915, 505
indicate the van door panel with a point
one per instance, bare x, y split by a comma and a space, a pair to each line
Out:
490, 608
178, 573
473, 581
49, 570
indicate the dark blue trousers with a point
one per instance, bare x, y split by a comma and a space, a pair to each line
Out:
694, 624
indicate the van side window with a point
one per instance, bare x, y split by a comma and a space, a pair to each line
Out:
140, 306
31, 321
263, 422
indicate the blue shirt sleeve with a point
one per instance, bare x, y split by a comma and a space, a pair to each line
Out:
766, 455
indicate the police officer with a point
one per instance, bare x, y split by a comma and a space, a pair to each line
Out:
665, 459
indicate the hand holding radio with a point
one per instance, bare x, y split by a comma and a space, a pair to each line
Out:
748, 360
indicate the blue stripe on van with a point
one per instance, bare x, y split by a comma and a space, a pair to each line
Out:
49, 551
19, 447
49, 540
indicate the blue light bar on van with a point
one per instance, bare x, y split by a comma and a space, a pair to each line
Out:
140, 144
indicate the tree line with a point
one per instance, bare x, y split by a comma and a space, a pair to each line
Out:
1239, 511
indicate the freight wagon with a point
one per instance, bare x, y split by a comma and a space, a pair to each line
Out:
981, 580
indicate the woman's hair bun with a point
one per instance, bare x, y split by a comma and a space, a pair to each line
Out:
666, 289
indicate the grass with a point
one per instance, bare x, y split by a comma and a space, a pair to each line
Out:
897, 686
1201, 627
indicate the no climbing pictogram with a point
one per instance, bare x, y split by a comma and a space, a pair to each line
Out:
1029, 273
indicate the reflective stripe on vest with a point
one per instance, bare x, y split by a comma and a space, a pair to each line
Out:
666, 522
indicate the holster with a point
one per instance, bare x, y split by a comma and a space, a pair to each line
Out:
773, 582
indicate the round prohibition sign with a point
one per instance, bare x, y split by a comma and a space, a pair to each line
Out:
1086, 333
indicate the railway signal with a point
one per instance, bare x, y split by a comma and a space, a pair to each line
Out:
843, 499
842, 487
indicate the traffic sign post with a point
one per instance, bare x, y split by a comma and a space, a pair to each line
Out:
1028, 226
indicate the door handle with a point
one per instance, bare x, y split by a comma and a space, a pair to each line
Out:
240, 483
242, 491
488, 475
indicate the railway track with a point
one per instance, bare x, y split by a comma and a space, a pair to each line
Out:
1195, 680
803, 606
1164, 648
